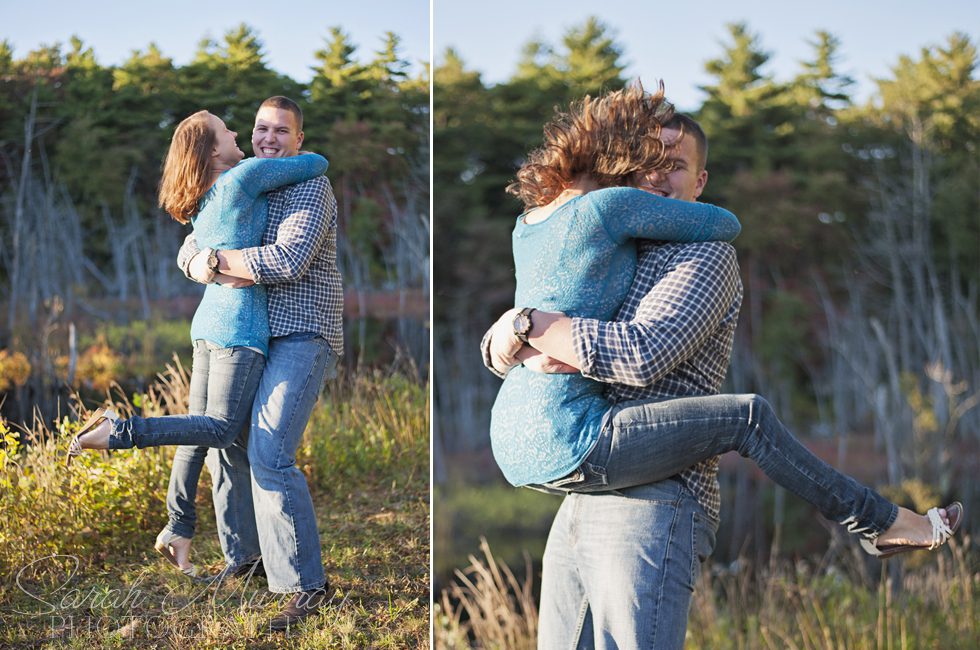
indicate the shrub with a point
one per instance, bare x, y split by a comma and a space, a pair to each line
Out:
368, 424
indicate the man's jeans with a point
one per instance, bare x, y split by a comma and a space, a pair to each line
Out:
620, 567
283, 528
645, 442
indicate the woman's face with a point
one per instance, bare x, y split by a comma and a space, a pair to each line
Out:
226, 150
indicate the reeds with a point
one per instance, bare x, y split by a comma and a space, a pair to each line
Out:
839, 601
489, 606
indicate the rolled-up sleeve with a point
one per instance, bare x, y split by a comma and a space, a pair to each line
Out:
672, 321
186, 253
311, 211
485, 353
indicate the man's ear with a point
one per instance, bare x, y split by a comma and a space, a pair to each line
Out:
299, 141
700, 183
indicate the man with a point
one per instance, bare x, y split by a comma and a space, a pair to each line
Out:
619, 567
262, 500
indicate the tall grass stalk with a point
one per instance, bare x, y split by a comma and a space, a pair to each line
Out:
489, 606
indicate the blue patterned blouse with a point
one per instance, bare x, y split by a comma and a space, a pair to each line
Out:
233, 215
580, 260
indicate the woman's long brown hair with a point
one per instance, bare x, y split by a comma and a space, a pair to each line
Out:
610, 139
187, 167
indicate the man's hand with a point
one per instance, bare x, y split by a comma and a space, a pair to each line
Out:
504, 344
198, 269
541, 362
232, 282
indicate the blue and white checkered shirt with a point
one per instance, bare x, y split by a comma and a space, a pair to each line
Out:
672, 336
297, 262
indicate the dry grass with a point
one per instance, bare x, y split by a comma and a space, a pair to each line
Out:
76, 562
928, 602
489, 604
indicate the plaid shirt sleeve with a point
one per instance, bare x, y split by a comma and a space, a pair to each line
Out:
672, 321
311, 210
186, 253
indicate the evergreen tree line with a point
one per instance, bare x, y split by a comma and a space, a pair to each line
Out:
860, 247
81, 147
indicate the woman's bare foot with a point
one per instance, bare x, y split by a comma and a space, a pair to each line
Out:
176, 549
94, 434
97, 438
181, 547
910, 529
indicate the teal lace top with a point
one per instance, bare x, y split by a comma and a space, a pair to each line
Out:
232, 215
580, 261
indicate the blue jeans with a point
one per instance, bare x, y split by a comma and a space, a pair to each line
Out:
645, 442
283, 527
620, 566
227, 378
211, 364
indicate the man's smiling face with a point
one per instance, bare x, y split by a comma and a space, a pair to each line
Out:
686, 181
275, 134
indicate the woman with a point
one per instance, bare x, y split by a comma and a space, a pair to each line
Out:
205, 182
573, 254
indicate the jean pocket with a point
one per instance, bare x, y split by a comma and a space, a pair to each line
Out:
702, 544
222, 353
330, 371
586, 478
569, 479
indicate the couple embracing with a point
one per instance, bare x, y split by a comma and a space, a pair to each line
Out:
627, 299
266, 335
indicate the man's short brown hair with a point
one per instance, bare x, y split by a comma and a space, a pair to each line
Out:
689, 127
286, 104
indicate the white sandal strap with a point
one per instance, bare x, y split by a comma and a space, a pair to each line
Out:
940, 529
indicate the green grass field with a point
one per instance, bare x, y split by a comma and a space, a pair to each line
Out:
77, 567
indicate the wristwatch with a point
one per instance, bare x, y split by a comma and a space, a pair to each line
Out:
523, 324
212, 260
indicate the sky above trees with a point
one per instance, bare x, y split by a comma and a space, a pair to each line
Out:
675, 45
290, 33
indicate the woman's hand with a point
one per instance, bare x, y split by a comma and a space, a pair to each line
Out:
504, 344
198, 269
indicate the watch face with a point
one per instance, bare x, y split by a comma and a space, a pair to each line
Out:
522, 324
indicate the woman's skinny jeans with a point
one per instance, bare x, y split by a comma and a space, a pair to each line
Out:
646, 442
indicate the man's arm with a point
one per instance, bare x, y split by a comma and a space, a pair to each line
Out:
195, 267
509, 351
311, 213
672, 321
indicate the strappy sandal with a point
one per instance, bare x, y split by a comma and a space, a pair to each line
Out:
941, 532
162, 546
75, 447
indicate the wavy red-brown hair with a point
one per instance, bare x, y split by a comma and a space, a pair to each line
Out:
187, 167
610, 139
